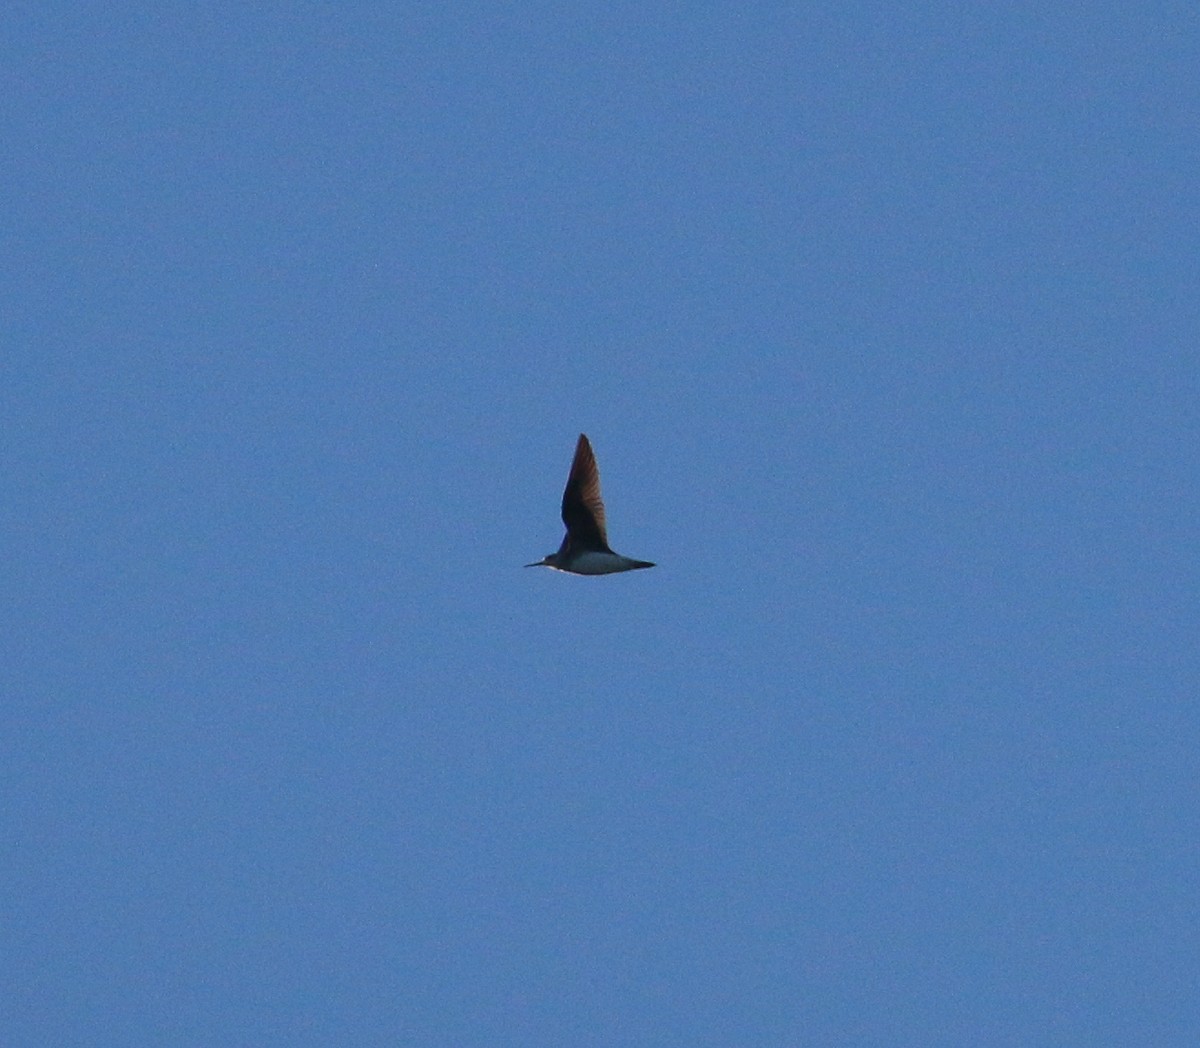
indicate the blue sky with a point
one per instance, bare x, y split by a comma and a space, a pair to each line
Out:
883, 323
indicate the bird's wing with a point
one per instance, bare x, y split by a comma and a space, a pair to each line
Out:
582, 507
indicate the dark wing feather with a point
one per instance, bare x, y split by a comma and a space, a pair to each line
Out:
582, 507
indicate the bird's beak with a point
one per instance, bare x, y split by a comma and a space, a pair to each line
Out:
535, 564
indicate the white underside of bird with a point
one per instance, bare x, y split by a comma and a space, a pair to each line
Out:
595, 563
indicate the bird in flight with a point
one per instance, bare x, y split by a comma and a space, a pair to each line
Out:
584, 549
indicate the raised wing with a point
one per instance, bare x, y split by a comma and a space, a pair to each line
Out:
582, 507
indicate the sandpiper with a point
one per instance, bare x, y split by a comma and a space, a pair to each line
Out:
584, 549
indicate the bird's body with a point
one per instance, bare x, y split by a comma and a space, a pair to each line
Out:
592, 562
584, 549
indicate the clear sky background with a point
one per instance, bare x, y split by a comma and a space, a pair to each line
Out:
883, 321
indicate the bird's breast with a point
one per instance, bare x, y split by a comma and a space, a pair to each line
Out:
594, 563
